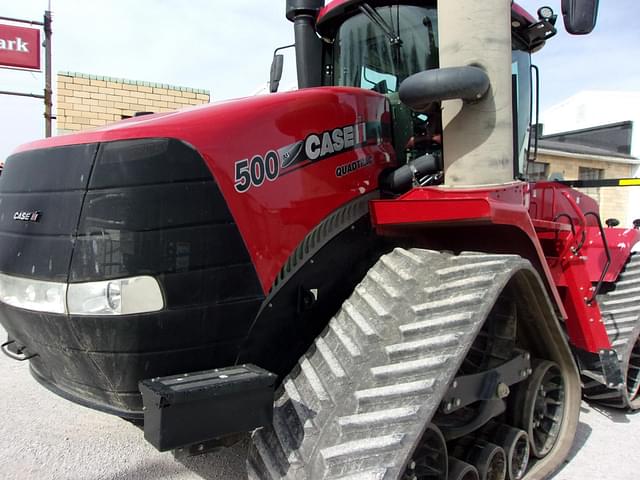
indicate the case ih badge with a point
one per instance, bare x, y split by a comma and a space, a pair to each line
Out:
19, 47
27, 216
316, 147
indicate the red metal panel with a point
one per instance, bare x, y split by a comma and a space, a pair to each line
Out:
557, 204
584, 323
275, 216
518, 10
508, 205
332, 5
505, 205
19, 47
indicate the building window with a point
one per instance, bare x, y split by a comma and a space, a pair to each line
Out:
586, 173
537, 171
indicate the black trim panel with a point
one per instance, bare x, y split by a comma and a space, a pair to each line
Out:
41, 257
146, 162
48, 170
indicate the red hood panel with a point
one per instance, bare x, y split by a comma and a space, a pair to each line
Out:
284, 162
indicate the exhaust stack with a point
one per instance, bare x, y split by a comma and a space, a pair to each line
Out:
478, 136
303, 14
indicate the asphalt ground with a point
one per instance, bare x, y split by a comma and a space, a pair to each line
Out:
45, 437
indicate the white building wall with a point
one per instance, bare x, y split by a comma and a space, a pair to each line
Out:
593, 108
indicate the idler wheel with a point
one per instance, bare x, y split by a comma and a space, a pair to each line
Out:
459, 470
429, 460
633, 373
489, 459
539, 406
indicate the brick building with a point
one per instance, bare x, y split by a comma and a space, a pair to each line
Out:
590, 108
89, 101
591, 154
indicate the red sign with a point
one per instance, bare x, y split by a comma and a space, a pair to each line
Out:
19, 47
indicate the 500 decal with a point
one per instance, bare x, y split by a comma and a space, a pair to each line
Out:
255, 171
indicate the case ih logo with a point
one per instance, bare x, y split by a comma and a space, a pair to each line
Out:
19, 47
27, 216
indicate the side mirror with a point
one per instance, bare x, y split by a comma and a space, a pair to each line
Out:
579, 15
276, 72
420, 90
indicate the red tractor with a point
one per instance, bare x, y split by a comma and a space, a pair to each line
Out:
367, 246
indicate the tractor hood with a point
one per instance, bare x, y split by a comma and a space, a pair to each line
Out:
147, 247
230, 135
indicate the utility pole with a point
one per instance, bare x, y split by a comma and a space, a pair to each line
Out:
48, 92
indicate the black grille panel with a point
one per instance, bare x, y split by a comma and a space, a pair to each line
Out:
123, 209
52, 184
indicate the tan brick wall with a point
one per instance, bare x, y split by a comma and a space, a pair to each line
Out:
89, 101
614, 201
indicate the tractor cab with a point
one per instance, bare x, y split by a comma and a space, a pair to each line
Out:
377, 45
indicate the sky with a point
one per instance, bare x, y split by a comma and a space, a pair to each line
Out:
226, 46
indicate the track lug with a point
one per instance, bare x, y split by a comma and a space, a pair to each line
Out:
611, 370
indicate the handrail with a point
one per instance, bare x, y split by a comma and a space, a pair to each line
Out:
606, 251
581, 217
573, 228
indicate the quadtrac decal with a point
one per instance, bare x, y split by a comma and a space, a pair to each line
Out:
255, 171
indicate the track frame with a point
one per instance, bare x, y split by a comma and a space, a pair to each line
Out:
361, 398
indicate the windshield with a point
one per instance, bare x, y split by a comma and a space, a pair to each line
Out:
379, 55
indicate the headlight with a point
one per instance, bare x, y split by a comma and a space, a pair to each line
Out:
111, 297
33, 294
115, 297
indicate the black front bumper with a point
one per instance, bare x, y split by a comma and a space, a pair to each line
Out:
98, 361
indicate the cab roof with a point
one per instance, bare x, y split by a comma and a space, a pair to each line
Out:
334, 13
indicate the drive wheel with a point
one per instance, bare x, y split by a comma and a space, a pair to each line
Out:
540, 404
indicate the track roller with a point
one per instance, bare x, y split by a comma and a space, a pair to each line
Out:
459, 470
429, 460
489, 459
515, 443
539, 406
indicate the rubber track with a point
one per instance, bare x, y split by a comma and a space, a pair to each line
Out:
621, 315
358, 401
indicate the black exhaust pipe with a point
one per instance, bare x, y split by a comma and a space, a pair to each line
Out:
303, 14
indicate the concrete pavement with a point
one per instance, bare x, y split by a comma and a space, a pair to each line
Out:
45, 437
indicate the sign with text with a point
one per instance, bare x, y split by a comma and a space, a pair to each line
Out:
19, 47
